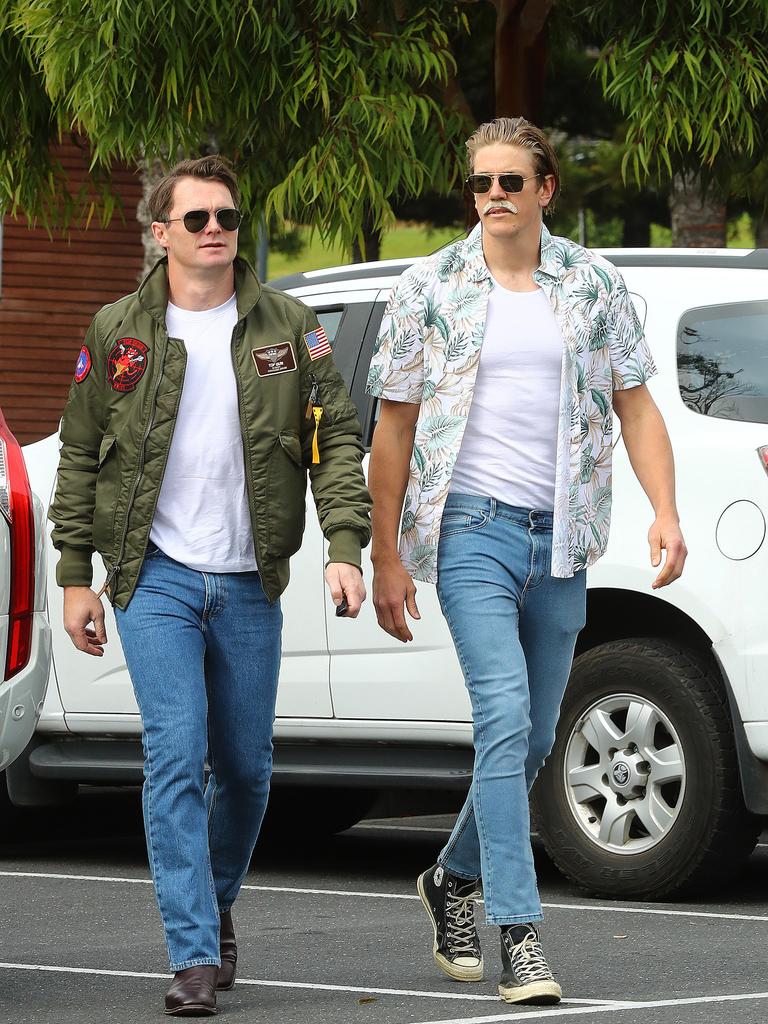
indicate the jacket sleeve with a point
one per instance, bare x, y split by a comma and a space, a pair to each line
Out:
72, 508
337, 480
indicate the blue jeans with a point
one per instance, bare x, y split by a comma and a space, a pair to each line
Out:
203, 652
515, 628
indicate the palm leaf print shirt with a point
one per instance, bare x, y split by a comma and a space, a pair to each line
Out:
427, 353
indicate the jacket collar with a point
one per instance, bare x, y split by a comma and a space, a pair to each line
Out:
477, 268
153, 290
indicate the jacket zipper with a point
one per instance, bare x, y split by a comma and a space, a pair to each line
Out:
116, 568
313, 395
246, 451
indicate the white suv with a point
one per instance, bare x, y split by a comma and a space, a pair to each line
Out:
660, 771
25, 641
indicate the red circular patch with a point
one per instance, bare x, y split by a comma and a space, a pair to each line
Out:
126, 363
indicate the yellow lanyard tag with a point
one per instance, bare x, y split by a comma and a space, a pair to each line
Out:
318, 414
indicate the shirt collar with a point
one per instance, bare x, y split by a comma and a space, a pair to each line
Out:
477, 268
549, 264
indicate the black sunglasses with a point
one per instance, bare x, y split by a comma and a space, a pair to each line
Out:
479, 183
197, 220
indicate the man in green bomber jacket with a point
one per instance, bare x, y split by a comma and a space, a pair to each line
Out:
198, 404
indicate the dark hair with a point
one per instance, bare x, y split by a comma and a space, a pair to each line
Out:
211, 168
516, 131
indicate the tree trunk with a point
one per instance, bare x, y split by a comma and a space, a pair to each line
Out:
637, 227
150, 175
371, 249
697, 221
520, 57
761, 233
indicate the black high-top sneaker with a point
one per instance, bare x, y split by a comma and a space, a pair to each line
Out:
449, 901
525, 975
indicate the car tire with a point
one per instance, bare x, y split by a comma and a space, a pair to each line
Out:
663, 817
313, 811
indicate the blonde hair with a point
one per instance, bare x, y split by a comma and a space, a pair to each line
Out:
516, 131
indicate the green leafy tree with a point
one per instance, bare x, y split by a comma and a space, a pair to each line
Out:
26, 126
691, 79
329, 107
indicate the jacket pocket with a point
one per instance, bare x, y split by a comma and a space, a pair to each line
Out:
107, 486
286, 496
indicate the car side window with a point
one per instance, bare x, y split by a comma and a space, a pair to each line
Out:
721, 361
330, 321
345, 325
367, 405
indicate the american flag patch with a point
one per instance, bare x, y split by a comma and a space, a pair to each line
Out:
317, 343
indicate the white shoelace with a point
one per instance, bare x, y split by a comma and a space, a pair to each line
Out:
528, 959
460, 915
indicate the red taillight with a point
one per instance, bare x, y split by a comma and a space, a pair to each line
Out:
16, 506
763, 456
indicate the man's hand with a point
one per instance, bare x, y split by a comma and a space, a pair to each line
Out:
82, 607
665, 534
346, 580
393, 588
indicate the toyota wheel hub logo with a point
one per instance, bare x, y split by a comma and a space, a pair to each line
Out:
620, 774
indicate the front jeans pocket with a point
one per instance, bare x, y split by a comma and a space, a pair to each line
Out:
456, 520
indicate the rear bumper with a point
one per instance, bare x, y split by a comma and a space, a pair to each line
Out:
21, 698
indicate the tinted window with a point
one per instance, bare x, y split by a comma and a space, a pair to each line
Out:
345, 328
722, 361
329, 321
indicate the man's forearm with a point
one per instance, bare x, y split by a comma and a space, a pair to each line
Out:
650, 453
387, 482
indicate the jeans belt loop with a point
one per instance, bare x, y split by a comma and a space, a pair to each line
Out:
493, 508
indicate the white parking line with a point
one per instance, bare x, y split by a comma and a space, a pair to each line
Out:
617, 1007
609, 908
401, 828
461, 997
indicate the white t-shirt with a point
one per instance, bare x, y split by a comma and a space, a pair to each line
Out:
202, 518
509, 447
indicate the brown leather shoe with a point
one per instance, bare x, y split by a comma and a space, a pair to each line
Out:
228, 947
193, 992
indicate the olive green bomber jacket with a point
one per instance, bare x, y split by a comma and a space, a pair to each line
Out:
119, 420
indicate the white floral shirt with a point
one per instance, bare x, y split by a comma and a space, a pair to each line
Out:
428, 350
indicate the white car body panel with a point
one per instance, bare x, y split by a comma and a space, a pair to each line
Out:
350, 681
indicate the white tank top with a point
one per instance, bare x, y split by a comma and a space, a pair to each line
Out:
202, 518
509, 447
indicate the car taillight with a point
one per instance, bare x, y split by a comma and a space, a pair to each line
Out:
16, 507
762, 453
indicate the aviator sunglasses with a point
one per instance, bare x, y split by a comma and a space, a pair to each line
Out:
196, 220
479, 183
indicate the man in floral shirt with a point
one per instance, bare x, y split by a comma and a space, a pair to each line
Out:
499, 363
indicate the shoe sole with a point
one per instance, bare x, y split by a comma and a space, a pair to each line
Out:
455, 971
539, 993
194, 1010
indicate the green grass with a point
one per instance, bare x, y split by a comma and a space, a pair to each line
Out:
420, 239
403, 241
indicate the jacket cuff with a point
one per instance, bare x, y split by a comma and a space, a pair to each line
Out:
75, 568
344, 546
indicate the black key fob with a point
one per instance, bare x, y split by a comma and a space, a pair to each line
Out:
343, 608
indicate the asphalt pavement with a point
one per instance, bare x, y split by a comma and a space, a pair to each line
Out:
331, 930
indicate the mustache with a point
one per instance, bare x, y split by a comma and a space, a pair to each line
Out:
499, 204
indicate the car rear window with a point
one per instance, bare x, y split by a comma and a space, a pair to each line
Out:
722, 361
